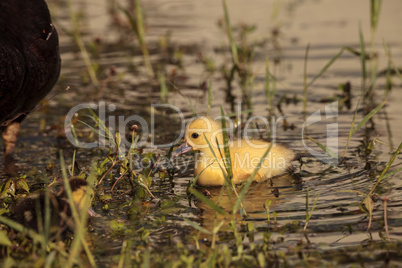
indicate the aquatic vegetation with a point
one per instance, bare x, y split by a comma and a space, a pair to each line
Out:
137, 25
242, 56
77, 36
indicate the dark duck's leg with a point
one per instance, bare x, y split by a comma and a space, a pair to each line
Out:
9, 135
29, 63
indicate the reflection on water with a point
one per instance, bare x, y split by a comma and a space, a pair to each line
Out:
278, 190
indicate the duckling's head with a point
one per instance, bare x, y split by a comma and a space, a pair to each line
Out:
198, 132
80, 189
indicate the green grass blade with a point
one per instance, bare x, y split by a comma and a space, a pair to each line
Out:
100, 123
92, 128
249, 181
191, 106
208, 202
233, 46
352, 126
163, 87
141, 38
209, 96
197, 226
216, 158
80, 221
227, 159
367, 117
392, 173
386, 168
353, 130
305, 86
362, 57
76, 34
323, 147
132, 21
309, 213
375, 7
228, 180
395, 68
325, 68
137, 25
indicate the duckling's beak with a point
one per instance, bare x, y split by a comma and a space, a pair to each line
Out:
184, 148
92, 212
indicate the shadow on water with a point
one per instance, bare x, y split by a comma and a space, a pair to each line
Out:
278, 190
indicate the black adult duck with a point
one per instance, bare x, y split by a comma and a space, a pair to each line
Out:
29, 62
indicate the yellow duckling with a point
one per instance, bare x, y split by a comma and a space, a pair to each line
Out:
245, 154
30, 211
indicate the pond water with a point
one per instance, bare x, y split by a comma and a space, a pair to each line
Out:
182, 36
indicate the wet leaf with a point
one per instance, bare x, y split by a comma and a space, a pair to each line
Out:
4, 240
8, 189
81, 176
261, 259
106, 161
123, 167
22, 184
118, 139
162, 174
168, 203
3, 210
145, 182
368, 205
105, 197
267, 204
145, 234
142, 180
116, 226
50, 166
149, 181
9, 262
250, 227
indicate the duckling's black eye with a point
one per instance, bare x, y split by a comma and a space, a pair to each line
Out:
194, 135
